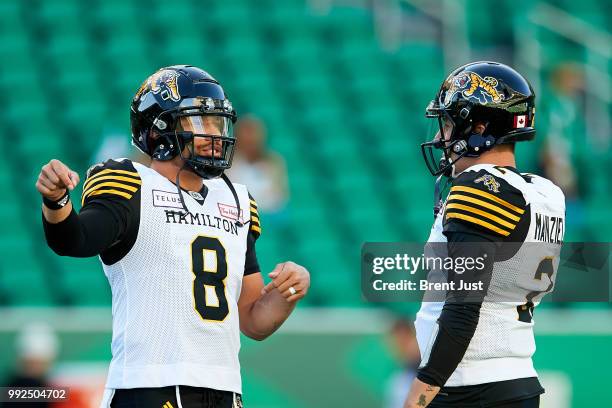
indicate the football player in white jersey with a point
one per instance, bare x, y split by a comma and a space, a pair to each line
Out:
177, 244
476, 345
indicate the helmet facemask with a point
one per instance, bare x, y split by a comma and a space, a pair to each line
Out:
207, 143
460, 138
203, 137
445, 138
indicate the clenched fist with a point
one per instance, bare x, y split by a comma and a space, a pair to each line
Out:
54, 178
291, 280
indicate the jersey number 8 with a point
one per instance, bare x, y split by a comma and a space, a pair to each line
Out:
209, 265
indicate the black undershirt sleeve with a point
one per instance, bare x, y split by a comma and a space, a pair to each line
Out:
460, 314
251, 265
88, 233
108, 222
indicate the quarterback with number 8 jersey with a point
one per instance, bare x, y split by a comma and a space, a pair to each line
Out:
177, 244
477, 344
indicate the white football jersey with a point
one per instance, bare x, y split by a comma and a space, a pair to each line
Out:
175, 292
503, 344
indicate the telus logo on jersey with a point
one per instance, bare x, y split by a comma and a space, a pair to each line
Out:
548, 229
166, 199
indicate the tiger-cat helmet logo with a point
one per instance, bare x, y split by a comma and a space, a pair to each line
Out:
164, 83
473, 86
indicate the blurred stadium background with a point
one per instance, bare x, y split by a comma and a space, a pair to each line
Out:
341, 86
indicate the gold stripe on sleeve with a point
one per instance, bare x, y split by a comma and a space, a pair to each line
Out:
482, 214
107, 171
472, 200
477, 221
111, 177
488, 196
133, 189
109, 191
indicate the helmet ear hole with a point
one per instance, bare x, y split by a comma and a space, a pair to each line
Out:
165, 148
478, 143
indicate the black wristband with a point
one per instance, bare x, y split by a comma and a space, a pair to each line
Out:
58, 204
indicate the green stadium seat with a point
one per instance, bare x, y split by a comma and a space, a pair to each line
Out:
161, 13
57, 11
20, 269
114, 14
220, 18
9, 9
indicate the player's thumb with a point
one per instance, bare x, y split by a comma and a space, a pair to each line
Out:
277, 270
269, 287
74, 178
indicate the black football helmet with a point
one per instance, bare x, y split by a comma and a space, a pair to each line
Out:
485, 92
177, 104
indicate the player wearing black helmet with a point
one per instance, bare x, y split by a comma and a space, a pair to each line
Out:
177, 244
476, 346
485, 93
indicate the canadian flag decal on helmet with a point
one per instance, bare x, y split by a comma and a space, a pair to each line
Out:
520, 121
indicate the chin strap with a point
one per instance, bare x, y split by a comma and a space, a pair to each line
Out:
238, 223
230, 185
438, 189
178, 187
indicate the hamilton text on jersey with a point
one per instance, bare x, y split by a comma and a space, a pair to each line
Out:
189, 218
